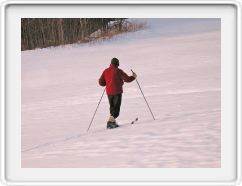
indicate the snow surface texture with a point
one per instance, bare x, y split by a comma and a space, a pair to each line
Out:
178, 66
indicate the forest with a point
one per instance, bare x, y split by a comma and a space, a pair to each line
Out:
46, 32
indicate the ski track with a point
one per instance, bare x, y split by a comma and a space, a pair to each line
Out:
76, 136
179, 73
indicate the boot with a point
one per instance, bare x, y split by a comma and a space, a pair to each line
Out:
112, 123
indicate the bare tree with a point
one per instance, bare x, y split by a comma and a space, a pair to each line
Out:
45, 32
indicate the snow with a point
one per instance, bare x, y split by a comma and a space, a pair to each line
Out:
178, 66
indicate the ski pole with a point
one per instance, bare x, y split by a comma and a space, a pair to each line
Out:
143, 96
96, 110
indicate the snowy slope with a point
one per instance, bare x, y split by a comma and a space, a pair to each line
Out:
179, 73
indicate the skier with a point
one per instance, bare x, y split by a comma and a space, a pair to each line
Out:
113, 78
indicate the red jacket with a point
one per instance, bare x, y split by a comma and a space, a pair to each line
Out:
113, 78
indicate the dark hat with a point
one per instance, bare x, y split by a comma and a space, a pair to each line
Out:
115, 62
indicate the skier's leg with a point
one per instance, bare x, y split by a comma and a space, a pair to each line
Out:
117, 104
111, 105
111, 120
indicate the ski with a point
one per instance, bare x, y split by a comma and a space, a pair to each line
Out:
136, 119
117, 126
113, 126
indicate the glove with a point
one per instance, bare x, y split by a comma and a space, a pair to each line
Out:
134, 75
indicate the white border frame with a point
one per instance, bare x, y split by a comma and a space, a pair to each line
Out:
235, 3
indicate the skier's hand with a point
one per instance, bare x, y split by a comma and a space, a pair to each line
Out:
134, 75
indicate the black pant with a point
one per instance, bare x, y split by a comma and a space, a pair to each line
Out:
115, 103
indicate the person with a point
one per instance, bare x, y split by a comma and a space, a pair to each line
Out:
113, 78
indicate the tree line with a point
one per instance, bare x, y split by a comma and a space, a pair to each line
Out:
45, 32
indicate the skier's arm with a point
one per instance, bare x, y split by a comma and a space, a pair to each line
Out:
125, 77
102, 81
